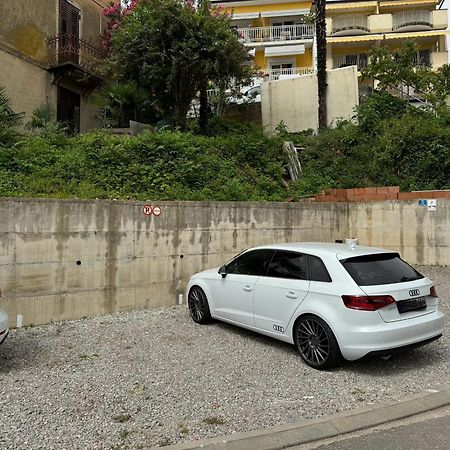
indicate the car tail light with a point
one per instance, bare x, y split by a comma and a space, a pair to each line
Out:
367, 303
433, 292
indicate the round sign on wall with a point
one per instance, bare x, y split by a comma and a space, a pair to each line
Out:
156, 210
147, 210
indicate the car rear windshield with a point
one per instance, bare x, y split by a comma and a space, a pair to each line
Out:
381, 268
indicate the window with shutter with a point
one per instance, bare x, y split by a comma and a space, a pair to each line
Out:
69, 18
69, 25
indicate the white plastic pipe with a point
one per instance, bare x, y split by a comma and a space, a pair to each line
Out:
19, 321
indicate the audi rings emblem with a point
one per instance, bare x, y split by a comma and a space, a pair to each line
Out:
278, 328
414, 292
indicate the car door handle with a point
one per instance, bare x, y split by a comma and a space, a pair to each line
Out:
247, 288
291, 294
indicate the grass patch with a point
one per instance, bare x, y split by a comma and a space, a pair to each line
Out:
214, 421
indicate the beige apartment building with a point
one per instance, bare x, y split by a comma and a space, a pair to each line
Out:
50, 51
354, 27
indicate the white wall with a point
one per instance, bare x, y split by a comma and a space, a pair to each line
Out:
294, 101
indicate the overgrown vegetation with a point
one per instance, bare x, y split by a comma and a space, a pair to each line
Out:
8, 119
402, 67
172, 49
388, 143
391, 143
167, 165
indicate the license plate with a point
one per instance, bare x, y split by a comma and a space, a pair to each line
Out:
412, 304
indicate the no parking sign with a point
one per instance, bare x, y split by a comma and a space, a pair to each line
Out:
149, 210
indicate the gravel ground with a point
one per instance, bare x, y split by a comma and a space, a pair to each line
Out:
154, 378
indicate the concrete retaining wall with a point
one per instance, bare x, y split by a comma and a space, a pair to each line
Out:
69, 259
421, 236
63, 260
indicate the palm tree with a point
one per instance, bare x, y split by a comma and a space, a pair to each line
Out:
8, 118
321, 42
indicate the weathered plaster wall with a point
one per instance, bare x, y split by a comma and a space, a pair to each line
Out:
64, 260
128, 260
27, 85
294, 101
25, 27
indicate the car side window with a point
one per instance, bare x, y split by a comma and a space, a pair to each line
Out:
317, 270
288, 265
249, 263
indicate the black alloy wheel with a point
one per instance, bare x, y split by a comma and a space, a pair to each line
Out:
316, 343
198, 305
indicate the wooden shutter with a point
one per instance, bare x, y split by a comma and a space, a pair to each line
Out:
63, 16
69, 18
75, 22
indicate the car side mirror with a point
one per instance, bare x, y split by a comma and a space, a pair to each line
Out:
223, 271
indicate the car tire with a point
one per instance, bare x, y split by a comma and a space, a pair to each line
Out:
316, 343
198, 306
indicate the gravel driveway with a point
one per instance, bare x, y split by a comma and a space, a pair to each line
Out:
154, 378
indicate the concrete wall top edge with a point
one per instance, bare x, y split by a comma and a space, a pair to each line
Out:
171, 203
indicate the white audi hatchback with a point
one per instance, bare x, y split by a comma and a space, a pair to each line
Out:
332, 301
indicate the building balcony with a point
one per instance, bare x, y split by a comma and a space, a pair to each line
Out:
423, 58
350, 25
358, 60
255, 35
284, 74
412, 21
438, 59
74, 58
404, 21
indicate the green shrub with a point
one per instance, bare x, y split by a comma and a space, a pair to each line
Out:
402, 146
391, 144
168, 165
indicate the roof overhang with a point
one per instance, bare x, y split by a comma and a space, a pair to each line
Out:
360, 38
417, 34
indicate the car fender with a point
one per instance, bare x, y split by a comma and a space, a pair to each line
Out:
206, 285
328, 308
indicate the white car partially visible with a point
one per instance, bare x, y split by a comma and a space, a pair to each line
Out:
3, 324
332, 301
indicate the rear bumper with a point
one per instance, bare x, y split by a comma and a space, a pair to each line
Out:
385, 338
402, 349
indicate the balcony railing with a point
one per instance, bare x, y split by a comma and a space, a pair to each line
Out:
423, 58
411, 19
68, 48
276, 74
350, 22
276, 33
359, 60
